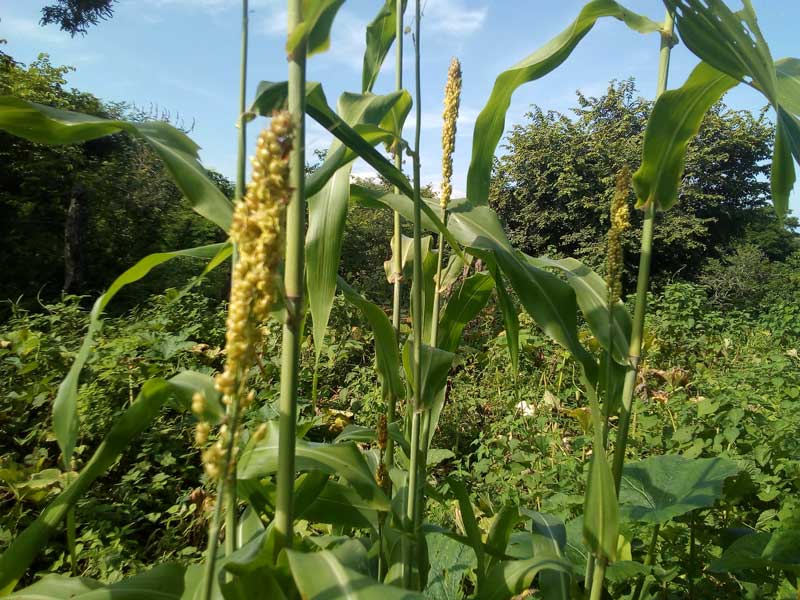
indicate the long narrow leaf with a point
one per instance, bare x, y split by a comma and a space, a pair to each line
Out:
65, 406
491, 121
46, 125
22, 551
381, 33
675, 120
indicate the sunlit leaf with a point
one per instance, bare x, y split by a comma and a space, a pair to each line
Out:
381, 34
661, 488
65, 406
46, 125
491, 121
343, 460
333, 580
387, 356
777, 550
675, 120
315, 29
465, 304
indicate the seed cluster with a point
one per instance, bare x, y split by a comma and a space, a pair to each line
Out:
257, 233
381, 475
452, 99
620, 221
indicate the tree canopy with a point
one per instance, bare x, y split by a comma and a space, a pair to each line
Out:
553, 185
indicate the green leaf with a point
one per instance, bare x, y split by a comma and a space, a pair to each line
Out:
261, 458
732, 43
463, 306
387, 357
25, 547
271, 96
168, 581
327, 212
315, 29
65, 406
661, 488
356, 433
549, 300
549, 538
491, 121
591, 292
403, 204
600, 510
450, 561
729, 41
510, 319
333, 580
783, 177
381, 33
338, 504
436, 365
501, 528
777, 550
56, 587
471, 528
47, 125
788, 73
675, 120
511, 577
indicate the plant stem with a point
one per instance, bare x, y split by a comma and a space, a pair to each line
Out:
397, 240
642, 283
71, 535
417, 322
648, 561
241, 174
293, 285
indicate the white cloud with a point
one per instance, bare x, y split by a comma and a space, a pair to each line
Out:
453, 17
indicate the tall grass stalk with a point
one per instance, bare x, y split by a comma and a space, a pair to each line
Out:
397, 239
417, 320
642, 282
293, 286
231, 499
595, 574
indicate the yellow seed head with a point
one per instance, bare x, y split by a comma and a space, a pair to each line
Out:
620, 221
383, 434
452, 99
257, 233
198, 403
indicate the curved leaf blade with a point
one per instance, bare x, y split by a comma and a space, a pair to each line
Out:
22, 551
491, 120
387, 357
675, 120
591, 292
47, 125
331, 579
344, 460
511, 577
463, 306
65, 406
381, 33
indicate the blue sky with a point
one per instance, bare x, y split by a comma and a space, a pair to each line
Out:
183, 56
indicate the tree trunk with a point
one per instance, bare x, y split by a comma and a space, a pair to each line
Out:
74, 232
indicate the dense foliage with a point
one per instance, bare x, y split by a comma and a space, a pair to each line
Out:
73, 217
520, 426
553, 185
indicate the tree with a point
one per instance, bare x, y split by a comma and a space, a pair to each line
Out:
553, 186
74, 16
74, 217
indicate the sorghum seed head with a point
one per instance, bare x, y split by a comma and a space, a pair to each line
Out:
620, 221
452, 99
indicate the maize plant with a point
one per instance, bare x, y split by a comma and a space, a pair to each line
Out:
363, 496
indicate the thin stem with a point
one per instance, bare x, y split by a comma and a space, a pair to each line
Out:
397, 242
642, 283
71, 535
648, 561
417, 323
231, 506
293, 284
